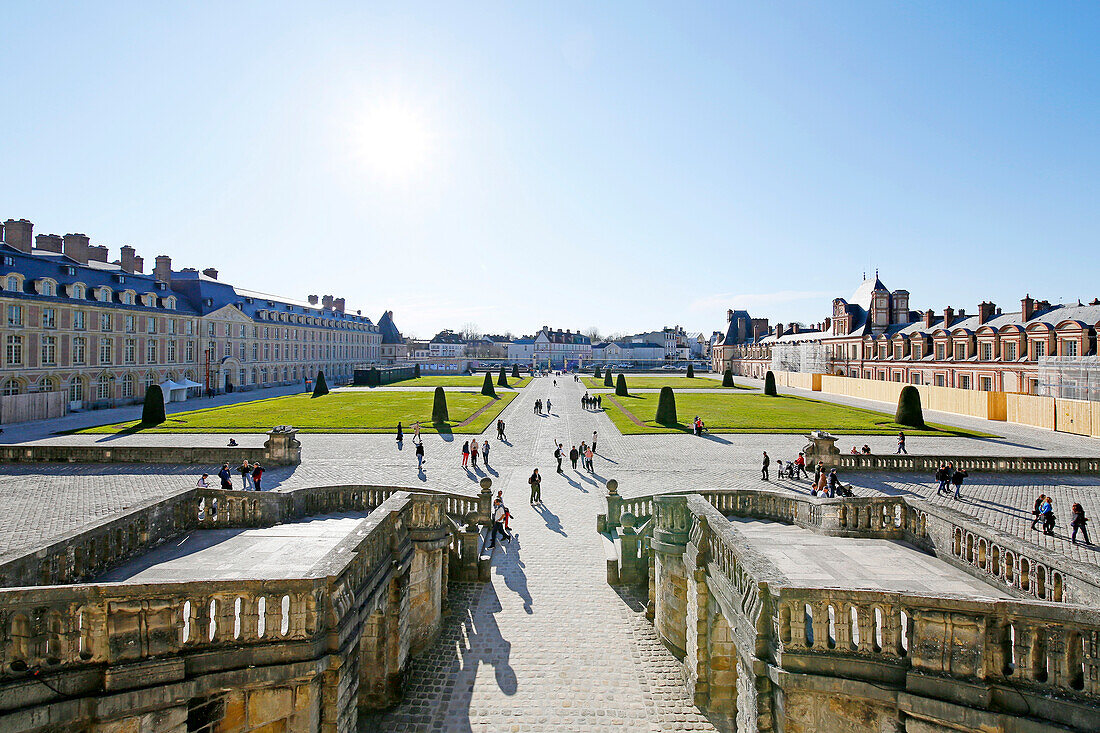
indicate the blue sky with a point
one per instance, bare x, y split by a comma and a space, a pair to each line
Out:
619, 165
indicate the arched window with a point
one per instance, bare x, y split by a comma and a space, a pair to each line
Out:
103, 387
78, 291
12, 387
12, 283
128, 385
76, 389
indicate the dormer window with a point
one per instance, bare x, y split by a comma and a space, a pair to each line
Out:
9, 261
128, 298
170, 303
149, 299
68, 269
120, 278
208, 302
77, 291
162, 286
103, 295
13, 284
47, 287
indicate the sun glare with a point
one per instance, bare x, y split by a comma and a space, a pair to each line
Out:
394, 140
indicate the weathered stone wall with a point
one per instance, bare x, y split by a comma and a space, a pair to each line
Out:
838, 711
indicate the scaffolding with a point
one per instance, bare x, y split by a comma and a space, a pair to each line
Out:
1070, 377
807, 357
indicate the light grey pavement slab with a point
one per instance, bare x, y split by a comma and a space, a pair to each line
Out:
284, 551
809, 559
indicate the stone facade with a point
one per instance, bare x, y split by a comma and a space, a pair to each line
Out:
103, 332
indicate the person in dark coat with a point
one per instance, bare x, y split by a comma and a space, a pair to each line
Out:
1078, 522
957, 477
574, 454
224, 476
764, 467
1036, 510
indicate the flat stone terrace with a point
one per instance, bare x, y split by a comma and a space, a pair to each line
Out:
281, 552
813, 560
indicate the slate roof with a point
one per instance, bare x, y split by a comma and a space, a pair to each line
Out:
1052, 316
390, 334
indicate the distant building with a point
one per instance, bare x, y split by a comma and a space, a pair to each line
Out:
634, 354
447, 345
561, 349
393, 348
521, 350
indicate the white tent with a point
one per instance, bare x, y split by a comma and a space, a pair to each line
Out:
173, 391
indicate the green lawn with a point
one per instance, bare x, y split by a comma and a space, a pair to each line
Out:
656, 381
755, 413
460, 380
338, 412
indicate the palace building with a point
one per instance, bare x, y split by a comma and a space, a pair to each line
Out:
103, 331
874, 335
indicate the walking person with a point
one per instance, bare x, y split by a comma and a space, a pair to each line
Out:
257, 474
246, 474
1046, 511
957, 477
589, 456
485, 453
573, 456
764, 467
465, 453
599, 402
944, 476
901, 444
593, 441
558, 456
1078, 522
416, 431
547, 405
473, 452
507, 514
500, 430
536, 487
223, 474
1036, 510
498, 523
400, 436
420, 456
800, 466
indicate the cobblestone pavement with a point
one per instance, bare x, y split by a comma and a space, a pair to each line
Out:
534, 650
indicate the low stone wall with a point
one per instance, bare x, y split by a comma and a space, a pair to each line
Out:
971, 464
294, 655
281, 448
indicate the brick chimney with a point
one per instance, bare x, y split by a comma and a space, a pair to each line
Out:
338, 304
76, 248
17, 233
211, 273
986, 311
1027, 308
49, 243
948, 316
312, 299
929, 316
139, 265
795, 328
326, 302
126, 258
162, 270
97, 252
778, 330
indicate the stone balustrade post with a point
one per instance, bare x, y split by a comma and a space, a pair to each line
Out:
632, 569
485, 503
670, 538
614, 505
282, 446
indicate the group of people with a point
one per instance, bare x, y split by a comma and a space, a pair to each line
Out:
585, 453
539, 405
251, 473
697, 426
948, 475
825, 483
1043, 513
591, 403
471, 450
865, 450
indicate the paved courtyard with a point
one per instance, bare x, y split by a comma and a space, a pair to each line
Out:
530, 650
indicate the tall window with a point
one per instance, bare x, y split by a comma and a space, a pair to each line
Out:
80, 350
48, 287
13, 284
1038, 348
987, 352
49, 318
129, 324
917, 348
76, 389
150, 324
14, 355
1069, 347
960, 351
49, 351
150, 351
1010, 351
190, 351
171, 352
189, 328
128, 298
985, 384
105, 350
940, 352
103, 387
15, 315
104, 321
78, 293
171, 326
80, 321
130, 351
128, 385
228, 349
255, 351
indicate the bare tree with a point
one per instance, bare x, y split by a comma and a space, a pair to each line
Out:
593, 333
469, 331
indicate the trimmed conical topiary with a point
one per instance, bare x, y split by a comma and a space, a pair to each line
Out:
439, 407
607, 380
727, 378
416, 370
502, 378
152, 412
666, 407
691, 371
596, 373
515, 371
487, 387
909, 409
620, 386
320, 389
769, 384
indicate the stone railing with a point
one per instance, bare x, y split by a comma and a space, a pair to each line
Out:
377, 595
1017, 566
281, 448
1034, 659
971, 464
749, 638
88, 551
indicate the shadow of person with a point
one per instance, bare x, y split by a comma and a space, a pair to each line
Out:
492, 471
420, 474
510, 567
552, 522
574, 484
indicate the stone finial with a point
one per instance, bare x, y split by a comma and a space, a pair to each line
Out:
612, 486
486, 483
282, 445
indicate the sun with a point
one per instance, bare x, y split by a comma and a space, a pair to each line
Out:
394, 140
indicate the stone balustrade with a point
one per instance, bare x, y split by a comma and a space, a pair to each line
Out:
332, 642
281, 448
972, 464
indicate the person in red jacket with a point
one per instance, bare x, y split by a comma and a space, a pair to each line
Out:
257, 474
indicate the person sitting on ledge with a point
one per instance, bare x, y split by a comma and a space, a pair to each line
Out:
866, 449
203, 482
232, 443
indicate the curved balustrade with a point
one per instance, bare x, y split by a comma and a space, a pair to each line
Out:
973, 464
